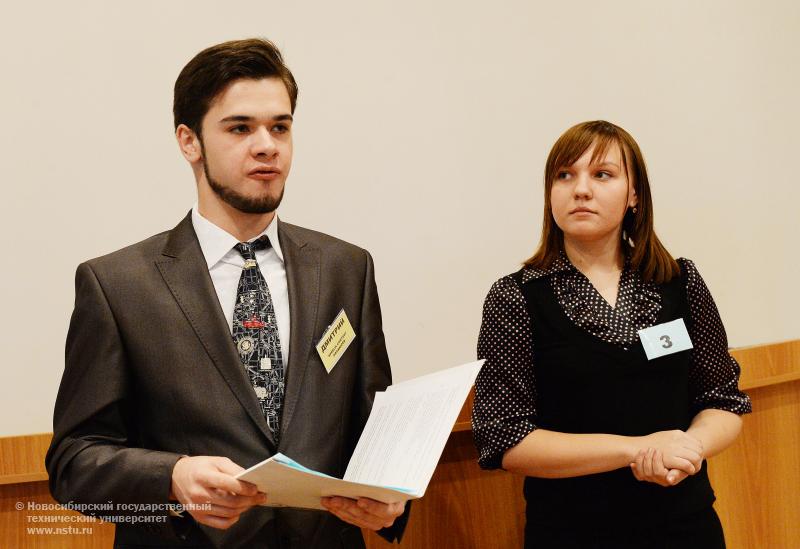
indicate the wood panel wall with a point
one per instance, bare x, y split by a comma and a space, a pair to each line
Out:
757, 480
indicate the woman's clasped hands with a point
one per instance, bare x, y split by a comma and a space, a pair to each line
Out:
667, 457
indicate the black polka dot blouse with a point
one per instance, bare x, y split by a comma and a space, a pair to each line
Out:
505, 391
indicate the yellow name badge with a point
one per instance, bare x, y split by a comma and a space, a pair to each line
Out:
335, 340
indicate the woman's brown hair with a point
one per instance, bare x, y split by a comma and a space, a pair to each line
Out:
647, 255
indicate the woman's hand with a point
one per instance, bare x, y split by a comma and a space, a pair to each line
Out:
649, 466
668, 457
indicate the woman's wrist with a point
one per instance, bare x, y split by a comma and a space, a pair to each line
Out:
629, 447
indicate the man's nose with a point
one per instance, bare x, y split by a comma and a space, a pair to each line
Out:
263, 143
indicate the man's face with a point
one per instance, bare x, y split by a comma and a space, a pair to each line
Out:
247, 144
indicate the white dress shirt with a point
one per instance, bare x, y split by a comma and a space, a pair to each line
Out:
225, 266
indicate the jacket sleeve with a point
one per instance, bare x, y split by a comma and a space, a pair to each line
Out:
375, 373
93, 459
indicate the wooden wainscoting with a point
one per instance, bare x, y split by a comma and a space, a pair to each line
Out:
757, 480
26, 507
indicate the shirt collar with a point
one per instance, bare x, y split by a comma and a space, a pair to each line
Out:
216, 242
561, 263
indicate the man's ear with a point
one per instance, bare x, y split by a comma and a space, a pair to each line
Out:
189, 143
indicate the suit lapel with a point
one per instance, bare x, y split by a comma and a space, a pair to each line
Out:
303, 279
185, 272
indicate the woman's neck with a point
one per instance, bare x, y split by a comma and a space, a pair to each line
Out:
601, 263
596, 256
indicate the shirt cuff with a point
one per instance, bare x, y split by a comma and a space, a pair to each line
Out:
495, 438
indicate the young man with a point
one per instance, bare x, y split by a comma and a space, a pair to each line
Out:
191, 355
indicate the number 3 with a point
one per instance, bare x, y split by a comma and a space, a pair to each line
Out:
667, 342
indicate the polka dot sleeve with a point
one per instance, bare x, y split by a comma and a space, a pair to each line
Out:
714, 375
504, 411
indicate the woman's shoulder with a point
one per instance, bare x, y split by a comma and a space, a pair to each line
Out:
689, 271
505, 286
686, 264
505, 293
513, 282
505, 303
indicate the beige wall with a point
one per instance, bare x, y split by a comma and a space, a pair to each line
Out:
421, 133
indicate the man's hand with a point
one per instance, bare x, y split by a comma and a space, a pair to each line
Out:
206, 487
364, 512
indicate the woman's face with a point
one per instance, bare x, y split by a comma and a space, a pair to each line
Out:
589, 199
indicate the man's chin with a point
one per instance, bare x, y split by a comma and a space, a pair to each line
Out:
258, 205
255, 207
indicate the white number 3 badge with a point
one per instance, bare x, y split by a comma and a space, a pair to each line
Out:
665, 339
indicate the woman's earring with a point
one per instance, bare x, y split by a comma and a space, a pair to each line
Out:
634, 210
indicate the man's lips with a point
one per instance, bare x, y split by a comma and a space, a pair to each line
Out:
264, 174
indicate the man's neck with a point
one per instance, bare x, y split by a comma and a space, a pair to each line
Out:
243, 226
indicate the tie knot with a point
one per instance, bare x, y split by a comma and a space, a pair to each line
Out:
249, 249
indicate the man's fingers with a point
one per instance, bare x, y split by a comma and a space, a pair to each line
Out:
383, 513
380, 509
224, 481
341, 511
202, 499
221, 523
226, 465
236, 501
349, 511
231, 506
221, 511
221, 476
206, 486
247, 489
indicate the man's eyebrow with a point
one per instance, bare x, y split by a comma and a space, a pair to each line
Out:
246, 118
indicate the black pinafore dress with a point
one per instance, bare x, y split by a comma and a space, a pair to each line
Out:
586, 385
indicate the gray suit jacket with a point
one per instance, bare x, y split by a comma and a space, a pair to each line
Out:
152, 374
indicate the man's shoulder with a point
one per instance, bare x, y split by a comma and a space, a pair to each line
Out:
327, 244
140, 253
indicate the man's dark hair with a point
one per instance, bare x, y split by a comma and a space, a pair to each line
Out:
214, 68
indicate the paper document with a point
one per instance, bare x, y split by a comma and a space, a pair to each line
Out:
396, 455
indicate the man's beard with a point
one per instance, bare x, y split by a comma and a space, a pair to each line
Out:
245, 204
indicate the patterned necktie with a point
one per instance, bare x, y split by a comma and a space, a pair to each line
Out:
255, 333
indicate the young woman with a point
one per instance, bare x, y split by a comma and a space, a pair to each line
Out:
612, 440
